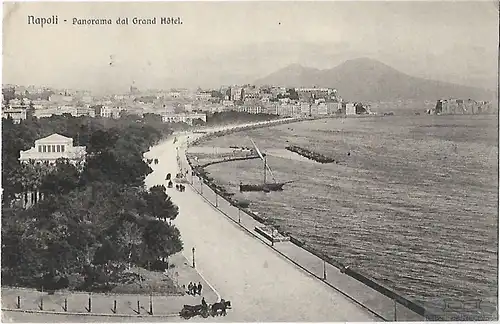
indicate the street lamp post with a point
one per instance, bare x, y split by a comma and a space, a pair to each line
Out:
194, 265
395, 311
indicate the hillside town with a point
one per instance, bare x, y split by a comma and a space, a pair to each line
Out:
176, 105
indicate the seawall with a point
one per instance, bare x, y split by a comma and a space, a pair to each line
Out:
381, 297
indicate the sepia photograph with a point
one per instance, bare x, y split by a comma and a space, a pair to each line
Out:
250, 161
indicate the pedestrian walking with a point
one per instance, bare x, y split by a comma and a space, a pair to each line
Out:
193, 289
199, 288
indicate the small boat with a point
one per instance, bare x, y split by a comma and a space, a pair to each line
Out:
264, 186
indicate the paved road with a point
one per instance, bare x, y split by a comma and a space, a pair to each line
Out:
261, 285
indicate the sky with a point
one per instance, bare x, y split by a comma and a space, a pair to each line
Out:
238, 42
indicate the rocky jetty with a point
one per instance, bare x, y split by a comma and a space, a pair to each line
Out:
310, 154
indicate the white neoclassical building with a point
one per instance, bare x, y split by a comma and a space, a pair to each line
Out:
53, 147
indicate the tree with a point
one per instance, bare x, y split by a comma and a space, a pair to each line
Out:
102, 140
150, 118
110, 166
159, 204
129, 239
63, 178
292, 94
161, 240
198, 122
359, 108
89, 220
8, 94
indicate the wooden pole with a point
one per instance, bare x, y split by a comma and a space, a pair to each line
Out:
18, 301
65, 304
114, 306
151, 304
90, 304
138, 307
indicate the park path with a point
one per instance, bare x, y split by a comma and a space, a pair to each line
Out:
262, 286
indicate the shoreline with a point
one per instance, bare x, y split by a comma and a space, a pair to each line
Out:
355, 274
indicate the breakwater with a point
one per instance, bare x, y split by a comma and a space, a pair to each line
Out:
382, 300
310, 154
230, 160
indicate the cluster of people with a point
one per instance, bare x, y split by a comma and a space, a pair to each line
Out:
194, 289
180, 187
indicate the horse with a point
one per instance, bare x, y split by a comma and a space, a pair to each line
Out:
222, 305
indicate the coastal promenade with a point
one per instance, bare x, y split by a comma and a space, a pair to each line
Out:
165, 308
261, 285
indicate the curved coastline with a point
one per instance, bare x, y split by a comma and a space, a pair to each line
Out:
356, 274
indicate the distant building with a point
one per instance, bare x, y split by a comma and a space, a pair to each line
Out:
350, 109
271, 108
63, 97
305, 108
322, 109
53, 147
110, 112
460, 107
184, 118
236, 93
106, 111
17, 114
314, 110
227, 103
204, 95
254, 109
285, 110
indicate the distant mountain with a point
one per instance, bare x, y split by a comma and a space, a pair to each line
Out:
369, 80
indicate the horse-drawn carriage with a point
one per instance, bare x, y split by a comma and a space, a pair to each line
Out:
216, 309
189, 311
